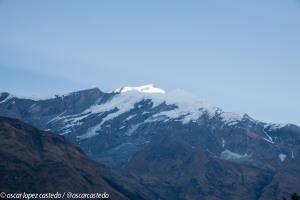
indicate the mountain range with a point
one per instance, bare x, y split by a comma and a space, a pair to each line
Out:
171, 143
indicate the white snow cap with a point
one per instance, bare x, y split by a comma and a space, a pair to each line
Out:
143, 89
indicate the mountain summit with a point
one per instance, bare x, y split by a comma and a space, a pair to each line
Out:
143, 89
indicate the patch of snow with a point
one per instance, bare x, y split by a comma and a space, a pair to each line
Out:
132, 129
229, 155
65, 131
273, 127
189, 107
130, 117
122, 127
269, 139
54, 119
91, 132
282, 157
75, 118
144, 89
231, 118
223, 143
72, 124
293, 155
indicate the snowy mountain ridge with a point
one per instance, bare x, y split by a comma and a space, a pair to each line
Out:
183, 107
180, 107
187, 108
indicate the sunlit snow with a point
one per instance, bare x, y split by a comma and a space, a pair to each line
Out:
282, 157
229, 155
144, 89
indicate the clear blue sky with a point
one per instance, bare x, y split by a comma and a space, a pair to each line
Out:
238, 55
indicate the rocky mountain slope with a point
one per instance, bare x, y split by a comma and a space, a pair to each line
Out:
172, 142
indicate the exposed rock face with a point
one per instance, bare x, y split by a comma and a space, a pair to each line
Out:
174, 144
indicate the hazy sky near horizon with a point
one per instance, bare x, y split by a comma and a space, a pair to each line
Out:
239, 55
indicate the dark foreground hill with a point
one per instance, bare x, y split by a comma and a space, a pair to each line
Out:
35, 161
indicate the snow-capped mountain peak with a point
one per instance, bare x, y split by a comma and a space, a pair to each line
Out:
180, 107
143, 89
149, 105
